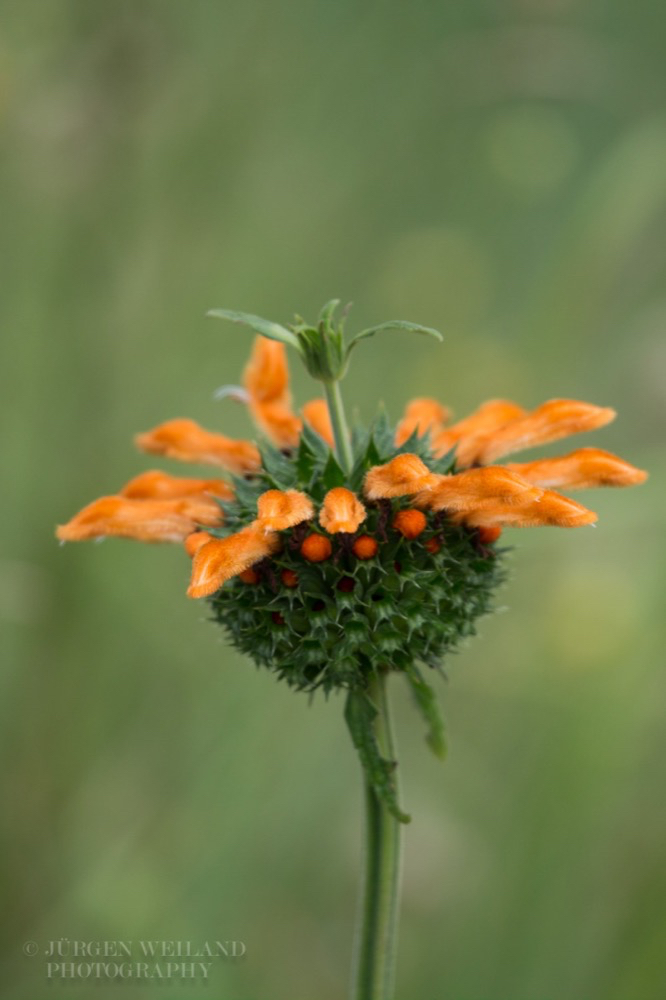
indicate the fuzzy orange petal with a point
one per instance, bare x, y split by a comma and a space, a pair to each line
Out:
551, 421
194, 542
142, 520
266, 378
187, 441
278, 423
404, 475
549, 508
278, 510
222, 558
341, 511
421, 415
471, 489
488, 417
157, 485
580, 469
316, 414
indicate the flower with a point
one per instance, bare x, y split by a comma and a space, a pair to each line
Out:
330, 558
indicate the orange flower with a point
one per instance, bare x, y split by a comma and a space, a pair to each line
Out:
581, 469
157, 485
143, 520
554, 419
473, 488
194, 542
188, 442
486, 419
404, 475
222, 558
266, 378
548, 508
342, 511
278, 510
317, 416
421, 414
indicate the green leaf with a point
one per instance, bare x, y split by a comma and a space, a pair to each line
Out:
263, 326
314, 441
394, 324
333, 475
427, 702
280, 471
360, 715
306, 461
326, 315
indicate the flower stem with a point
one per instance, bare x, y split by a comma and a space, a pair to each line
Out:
376, 936
336, 410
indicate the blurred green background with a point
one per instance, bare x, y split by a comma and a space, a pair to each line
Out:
494, 170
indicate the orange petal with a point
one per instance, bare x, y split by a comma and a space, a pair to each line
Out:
157, 485
194, 542
143, 520
266, 378
488, 417
472, 489
341, 511
552, 420
421, 415
549, 508
278, 509
581, 469
404, 475
188, 442
318, 417
221, 558
266, 375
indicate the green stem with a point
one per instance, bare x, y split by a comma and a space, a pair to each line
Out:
336, 409
376, 937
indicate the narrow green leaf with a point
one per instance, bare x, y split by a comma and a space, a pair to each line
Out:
263, 326
360, 714
280, 471
333, 475
427, 702
326, 315
394, 324
314, 441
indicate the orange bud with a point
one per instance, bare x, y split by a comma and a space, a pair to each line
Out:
341, 511
142, 520
581, 469
365, 547
289, 578
410, 523
316, 414
281, 509
552, 420
221, 558
489, 533
194, 542
157, 485
249, 576
316, 548
404, 475
421, 415
188, 442
433, 545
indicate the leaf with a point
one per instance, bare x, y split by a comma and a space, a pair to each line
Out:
265, 327
360, 715
326, 315
333, 475
306, 460
314, 441
278, 469
427, 702
394, 324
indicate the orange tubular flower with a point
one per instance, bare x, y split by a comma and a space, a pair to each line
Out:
342, 511
421, 415
142, 520
157, 485
551, 421
222, 558
547, 508
188, 442
581, 469
404, 475
266, 378
317, 416
486, 419
474, 488
278, 510
194, 542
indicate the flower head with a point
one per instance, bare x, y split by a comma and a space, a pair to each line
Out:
330, 558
